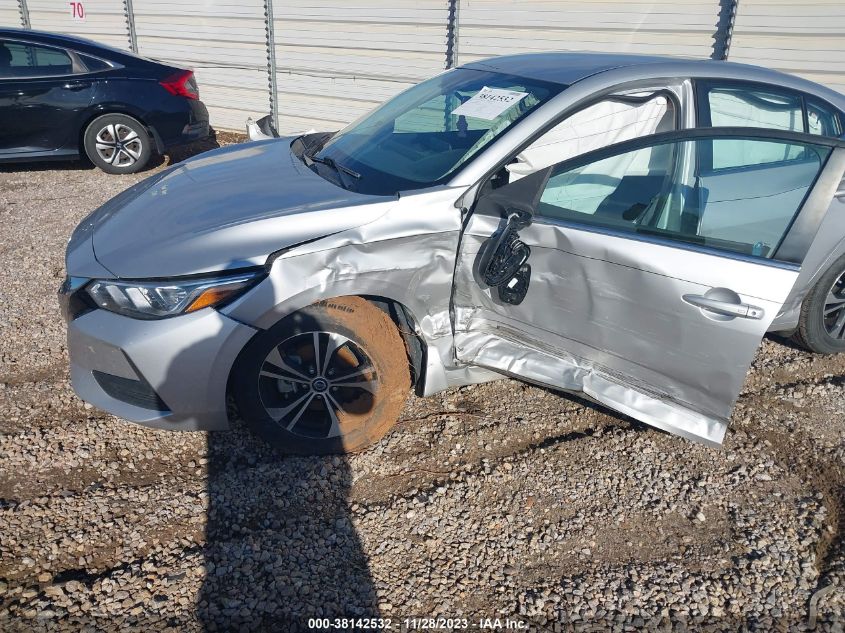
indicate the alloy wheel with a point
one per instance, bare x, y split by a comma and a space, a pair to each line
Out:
119, 145
834, 309
311, 382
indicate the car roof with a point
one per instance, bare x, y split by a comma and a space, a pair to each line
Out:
567, 68
561, 67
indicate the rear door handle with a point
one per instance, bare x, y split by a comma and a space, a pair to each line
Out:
726, 308
76, 85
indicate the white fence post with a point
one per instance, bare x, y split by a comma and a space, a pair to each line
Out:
24, 13
271, 62
130, 23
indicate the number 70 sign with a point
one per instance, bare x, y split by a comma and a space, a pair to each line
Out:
77, 11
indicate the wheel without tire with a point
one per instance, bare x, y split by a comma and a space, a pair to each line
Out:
118, 144
331, 378
821, 327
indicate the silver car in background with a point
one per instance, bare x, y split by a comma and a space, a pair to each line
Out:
623, 227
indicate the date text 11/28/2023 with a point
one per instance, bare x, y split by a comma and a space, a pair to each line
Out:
416, 624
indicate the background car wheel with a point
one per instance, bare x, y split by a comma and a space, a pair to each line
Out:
118, 144
821, 327
331, 378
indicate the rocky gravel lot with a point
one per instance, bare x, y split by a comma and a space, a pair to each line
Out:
499, 500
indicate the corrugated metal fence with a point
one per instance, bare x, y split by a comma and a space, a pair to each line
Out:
323, 63
10, 13
659, 27
223, 41
101, 20
804, 38
337, 59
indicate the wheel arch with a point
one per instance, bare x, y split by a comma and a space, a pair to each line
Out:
422, 360
416, 348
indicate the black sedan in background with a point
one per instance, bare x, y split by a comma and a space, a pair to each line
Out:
64, 97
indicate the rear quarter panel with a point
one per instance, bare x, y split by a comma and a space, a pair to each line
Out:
143, 98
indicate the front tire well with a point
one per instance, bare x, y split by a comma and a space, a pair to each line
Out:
331, 377
415, 347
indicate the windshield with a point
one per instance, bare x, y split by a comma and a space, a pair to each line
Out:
425, 134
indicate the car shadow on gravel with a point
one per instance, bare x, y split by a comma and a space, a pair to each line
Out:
280, 548
47, 165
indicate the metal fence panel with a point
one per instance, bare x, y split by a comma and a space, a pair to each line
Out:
337, 59
222, 41
10, 14
803, 38
660, 27
100, 20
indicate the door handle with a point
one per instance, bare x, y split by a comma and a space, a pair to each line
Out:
725, 308
76, 85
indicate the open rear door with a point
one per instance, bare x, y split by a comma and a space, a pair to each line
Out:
642, 275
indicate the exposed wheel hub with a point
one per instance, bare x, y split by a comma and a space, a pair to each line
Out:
119, 145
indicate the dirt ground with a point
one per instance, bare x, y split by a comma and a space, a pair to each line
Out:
500, 500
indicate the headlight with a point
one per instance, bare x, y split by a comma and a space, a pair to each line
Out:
169, 297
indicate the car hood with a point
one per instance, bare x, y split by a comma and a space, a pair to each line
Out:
224, 209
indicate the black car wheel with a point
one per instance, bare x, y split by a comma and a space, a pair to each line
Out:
331, 378
118, 144
821, 327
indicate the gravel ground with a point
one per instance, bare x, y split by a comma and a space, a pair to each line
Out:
499, 500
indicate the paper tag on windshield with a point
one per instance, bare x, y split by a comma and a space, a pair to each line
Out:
489, 103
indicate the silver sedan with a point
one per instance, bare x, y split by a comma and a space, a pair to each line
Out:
623, 227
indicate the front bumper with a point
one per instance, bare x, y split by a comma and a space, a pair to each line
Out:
168, 373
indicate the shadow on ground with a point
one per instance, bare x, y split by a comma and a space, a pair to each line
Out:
280, 547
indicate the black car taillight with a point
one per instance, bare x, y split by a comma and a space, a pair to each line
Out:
181, 84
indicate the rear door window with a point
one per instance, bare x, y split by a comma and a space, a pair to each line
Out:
94, 64
22, 60
755, 105
822, 120
741, 107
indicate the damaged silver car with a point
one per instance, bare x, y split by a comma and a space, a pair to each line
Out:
627, 228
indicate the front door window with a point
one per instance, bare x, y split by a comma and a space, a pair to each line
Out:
732, 194
613, 120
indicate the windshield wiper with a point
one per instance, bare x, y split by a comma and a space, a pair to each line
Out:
329, 162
